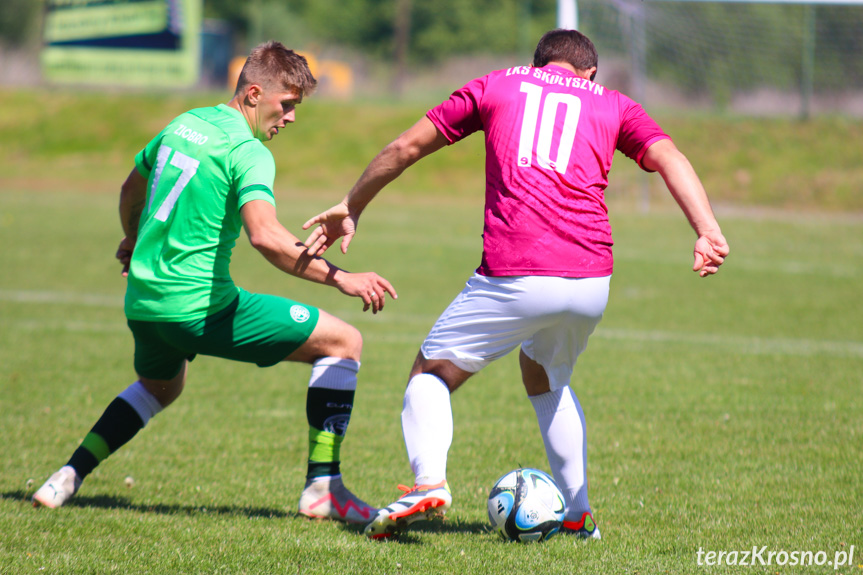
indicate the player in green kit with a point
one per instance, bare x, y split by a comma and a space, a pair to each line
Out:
194, 187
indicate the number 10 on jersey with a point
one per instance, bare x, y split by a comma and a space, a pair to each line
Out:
567, 123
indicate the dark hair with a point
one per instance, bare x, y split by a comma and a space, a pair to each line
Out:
272, 66
570, 46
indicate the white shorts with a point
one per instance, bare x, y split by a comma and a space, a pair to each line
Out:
550, 317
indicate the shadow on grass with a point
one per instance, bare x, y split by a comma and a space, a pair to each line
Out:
112, 502
411, 536
124, 503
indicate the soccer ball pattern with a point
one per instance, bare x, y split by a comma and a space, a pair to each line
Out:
526, 505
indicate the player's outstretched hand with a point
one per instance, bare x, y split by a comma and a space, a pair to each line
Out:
368, 286
124, 254
332, 224
711, 249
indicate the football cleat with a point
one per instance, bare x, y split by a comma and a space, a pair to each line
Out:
59, 488
585, 528
418, 503
328, 498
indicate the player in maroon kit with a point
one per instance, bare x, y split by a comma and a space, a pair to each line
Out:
551, 133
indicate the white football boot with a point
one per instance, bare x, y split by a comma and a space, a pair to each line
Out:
419, 502
59, 488
328, 498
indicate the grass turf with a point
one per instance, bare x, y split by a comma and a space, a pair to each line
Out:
723, 413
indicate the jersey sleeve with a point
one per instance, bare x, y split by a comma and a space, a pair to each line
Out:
146, 158
638, 131
459, 116
253, 171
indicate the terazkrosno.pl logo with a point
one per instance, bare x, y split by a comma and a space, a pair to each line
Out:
761, 556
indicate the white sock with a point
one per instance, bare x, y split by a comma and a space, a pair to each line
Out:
335, 373
561, 422
141, 400
427, 427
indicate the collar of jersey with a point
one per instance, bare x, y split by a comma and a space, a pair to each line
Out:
236, 113
559, 69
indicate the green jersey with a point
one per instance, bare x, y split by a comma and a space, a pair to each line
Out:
201, 169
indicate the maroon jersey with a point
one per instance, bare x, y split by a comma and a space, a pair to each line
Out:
550, 140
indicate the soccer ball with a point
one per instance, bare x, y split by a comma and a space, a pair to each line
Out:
526, 505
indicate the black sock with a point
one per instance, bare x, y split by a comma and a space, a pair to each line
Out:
328, 412
118, 424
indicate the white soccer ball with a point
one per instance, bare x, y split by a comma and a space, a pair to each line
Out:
526, 505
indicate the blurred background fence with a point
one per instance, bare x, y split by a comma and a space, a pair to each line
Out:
754, 58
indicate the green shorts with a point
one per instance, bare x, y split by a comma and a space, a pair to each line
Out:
254, 328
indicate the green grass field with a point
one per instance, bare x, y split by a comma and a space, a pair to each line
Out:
723, 413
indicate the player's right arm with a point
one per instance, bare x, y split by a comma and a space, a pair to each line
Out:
422, 139
285, 251
133, 196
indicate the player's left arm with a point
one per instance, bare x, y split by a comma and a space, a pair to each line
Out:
711, 248
133, 196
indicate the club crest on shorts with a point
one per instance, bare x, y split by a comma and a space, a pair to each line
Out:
299, 313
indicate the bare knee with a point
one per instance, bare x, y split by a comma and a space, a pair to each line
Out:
443, 369
166, 390
331, 337
533, 375
351, 346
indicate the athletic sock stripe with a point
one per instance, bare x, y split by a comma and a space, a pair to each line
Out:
96, 444
324, 447
142, 401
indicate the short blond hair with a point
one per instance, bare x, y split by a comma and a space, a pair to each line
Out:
273, 66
